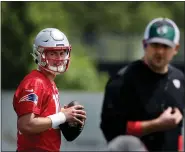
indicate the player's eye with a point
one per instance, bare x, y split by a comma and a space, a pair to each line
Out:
62, 53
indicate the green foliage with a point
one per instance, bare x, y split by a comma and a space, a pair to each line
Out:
121, 16
82, 73
21, 21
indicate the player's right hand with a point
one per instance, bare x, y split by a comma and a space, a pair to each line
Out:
74, 114
169, 119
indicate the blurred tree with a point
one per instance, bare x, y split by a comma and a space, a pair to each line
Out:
16, 29
83, 23
122, 17
21, 24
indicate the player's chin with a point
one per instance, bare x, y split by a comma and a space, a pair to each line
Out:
159, 64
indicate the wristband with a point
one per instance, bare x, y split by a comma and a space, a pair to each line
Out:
134, 128
180, 143
57, 119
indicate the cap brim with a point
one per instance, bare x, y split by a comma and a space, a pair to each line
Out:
162, 41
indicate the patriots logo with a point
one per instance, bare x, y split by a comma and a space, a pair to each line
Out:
32, 97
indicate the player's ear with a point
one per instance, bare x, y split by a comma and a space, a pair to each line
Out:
176, 48
65, 106
144, 44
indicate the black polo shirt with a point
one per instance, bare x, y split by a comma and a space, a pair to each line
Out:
144, 95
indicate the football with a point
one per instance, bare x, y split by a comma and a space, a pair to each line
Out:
71, 130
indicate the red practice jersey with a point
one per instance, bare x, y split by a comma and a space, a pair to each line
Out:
37, 94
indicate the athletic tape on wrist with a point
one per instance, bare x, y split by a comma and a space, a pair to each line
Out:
57, 119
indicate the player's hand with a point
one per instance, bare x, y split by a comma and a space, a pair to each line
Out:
76, 117
169, 119
75, 114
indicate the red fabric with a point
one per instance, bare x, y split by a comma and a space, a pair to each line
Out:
44, 102
134, 128
180, 143
34, 150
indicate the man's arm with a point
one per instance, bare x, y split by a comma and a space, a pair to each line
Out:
169, 119
111, 119
141, 128
30, 124
117, 106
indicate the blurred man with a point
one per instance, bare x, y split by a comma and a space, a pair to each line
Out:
36, 100
146, 98
126, 143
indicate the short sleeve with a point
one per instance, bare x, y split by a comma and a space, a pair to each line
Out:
29, 99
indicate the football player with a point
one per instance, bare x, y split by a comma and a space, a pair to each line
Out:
36, 100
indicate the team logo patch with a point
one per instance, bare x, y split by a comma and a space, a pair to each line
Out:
32, 97
162, 30
176, 83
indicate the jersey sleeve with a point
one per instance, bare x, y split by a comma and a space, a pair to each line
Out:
30, 98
